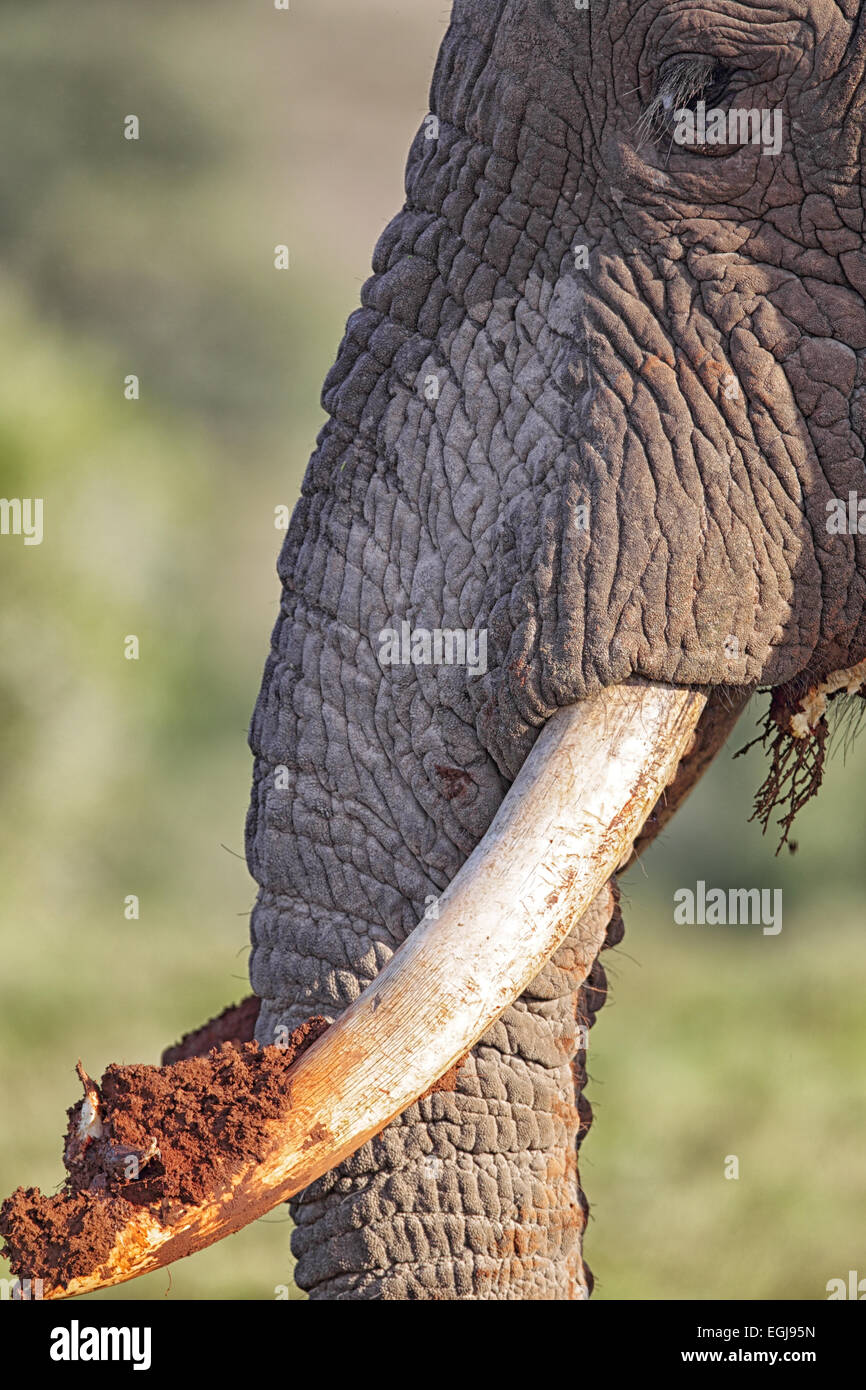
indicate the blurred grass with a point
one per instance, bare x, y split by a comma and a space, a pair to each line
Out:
124, 777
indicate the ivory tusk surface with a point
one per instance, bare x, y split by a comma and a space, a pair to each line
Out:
569, 820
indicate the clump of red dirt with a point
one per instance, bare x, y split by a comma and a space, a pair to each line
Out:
447, 1082
151, 1137
58, 1238
175, 1133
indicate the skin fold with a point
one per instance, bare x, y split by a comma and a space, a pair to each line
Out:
597, 398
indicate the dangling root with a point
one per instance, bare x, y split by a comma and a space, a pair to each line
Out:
796, 768
795, 736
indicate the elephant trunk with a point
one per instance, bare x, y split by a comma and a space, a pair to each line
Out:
472, 1191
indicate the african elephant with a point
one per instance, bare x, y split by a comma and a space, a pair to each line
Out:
604, 389
591, 475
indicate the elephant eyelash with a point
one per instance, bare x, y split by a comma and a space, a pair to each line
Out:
680, 84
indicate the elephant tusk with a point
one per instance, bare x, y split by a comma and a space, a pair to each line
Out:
568, 822
813, 705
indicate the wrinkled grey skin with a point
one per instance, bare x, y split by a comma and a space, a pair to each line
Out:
706, 560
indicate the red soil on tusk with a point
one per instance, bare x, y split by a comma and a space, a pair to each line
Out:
172, 1137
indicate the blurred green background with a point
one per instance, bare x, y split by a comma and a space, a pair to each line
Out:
155, 257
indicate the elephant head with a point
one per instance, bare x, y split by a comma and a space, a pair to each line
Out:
589, 428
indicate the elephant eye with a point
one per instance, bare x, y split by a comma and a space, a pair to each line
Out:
684, 81
681, 83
